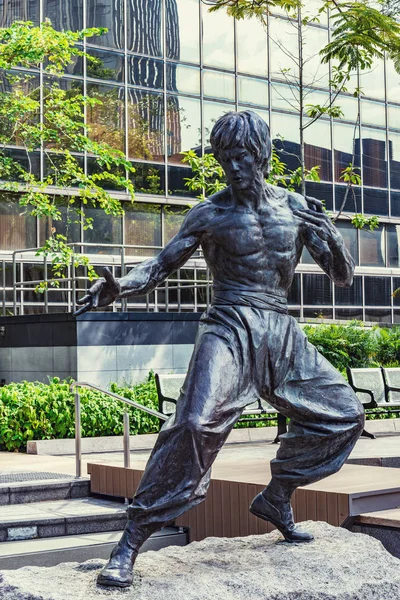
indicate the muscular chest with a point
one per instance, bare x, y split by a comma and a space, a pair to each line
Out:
243, 233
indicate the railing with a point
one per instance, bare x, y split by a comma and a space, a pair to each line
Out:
78, 425
73, 285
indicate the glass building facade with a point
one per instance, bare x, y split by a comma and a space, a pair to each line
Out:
168, 70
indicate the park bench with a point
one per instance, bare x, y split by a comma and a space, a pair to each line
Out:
376, 388
169, 389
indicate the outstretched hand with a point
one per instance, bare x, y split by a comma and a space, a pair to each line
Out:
105, 291
315, 219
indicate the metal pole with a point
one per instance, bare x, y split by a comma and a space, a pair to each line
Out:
127, 449
78, 433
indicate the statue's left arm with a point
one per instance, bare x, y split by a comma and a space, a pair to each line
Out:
325, 243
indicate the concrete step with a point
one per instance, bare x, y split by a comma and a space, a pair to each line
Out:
18, 489
61, 517
79, 548
383, 525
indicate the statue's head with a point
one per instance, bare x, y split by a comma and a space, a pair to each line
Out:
238, 139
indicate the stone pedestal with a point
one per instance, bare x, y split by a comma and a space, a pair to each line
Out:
338, 565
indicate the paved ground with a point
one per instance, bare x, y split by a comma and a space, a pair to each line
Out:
386, 447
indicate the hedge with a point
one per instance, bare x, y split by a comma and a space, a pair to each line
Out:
46, 411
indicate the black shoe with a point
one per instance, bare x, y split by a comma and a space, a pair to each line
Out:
118, 571
281, 517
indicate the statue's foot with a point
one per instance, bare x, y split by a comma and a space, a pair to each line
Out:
118, 571
280, 514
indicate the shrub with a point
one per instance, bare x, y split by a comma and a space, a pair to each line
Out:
38, 411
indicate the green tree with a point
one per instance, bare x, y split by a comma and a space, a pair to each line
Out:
50, 118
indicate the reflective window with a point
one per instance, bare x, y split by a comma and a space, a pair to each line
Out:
145, 125
322, 191
374, 157
251, 39
106, 65
142, 228
183, 79
212, 112
146, 72
284, 49
294, 296
315, 73
149, 179
284, 97
394, 116
395, 203
372, 247
311, 9
394, 156
392, 82
393, 245
219, 85
317, 289
183, 126
19, 10
373, 113
68, 225
350, 296
349, 107
107, 120
396, 300
173, 219
374, 315
372, 81
144, 20
286, 138
348, 199
349, 314
350, 238
108, 14
64, 15
17, 226
177, 182
95, 168
345, 142
376, 202
318, 149
218, 47
183, 30
106, 229
377, 291
318, 313
253, 91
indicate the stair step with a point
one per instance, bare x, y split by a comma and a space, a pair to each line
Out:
385, 518
79, 548
25, 491
61, 517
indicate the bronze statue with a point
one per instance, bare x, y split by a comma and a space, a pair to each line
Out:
252, 235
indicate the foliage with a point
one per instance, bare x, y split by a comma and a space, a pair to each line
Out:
53, 120
240, 9
46, 411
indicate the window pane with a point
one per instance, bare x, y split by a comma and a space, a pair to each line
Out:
348, 199
106, 230
19, 10
394, 155
253, 91
315, 72
318, 313
149, 179
349, 107
372, 247
374, 157
106, 13
177, 182
373, 113
349, 296
345, 141
393, 242
318, 149
107, 120
183, 126
218, 47
294, 292
350, 238
144, 20
107, 65
284, 97
17, 226
350, 314
284, 49
393, 116
146, 72
376, 202
377, 291
212, 112
68, 225
395, 203
322, 191
145, 125
142, 228
63, 15
392, 82
317, 289
372, 81
183, 79
378, 316
251, 47
219, 85
285, 137
396, 286
183, 30
173, 219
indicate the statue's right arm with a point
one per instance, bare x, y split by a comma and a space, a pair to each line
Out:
146, 276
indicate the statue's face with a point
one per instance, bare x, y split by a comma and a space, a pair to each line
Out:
240, 167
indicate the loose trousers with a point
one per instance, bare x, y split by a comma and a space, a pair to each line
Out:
242, 353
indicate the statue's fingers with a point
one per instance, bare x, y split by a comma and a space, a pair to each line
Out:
110, 279
85, 299
82, 310
319, 206
95, 300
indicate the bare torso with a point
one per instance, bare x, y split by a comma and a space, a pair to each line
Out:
255, 249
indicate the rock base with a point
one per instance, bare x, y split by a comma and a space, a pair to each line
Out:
338, 565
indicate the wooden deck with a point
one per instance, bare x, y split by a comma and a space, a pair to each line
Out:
351, 492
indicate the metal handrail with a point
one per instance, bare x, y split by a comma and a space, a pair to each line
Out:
78, 427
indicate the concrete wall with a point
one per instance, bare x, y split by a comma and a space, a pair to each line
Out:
97, 348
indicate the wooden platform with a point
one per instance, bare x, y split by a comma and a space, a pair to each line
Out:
351, 492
